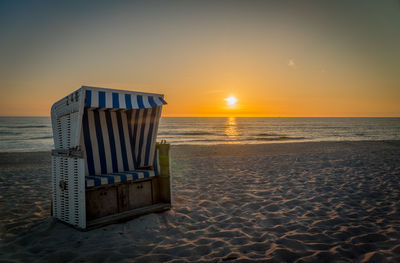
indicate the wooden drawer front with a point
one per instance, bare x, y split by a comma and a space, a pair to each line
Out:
101, 203
123, 197
140, 194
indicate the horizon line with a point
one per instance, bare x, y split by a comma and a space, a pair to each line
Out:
230, 116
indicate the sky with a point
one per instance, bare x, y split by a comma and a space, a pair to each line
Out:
278, 58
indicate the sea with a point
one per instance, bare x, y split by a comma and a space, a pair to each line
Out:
35, 133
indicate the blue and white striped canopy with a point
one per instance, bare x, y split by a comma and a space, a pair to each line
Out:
119, 100
119, 129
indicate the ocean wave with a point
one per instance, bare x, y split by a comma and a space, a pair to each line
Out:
187, 133
9, 133
280, 138
239, 140
42, 138
27, 126
271, 134
206, 140
29, 138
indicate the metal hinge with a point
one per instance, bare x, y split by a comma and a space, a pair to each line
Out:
74, 152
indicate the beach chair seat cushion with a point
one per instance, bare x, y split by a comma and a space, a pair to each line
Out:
104, 179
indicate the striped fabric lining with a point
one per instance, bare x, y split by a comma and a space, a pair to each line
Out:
96, 180
119, 141
116, 100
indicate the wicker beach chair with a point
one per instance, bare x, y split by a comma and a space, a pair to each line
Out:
106, 165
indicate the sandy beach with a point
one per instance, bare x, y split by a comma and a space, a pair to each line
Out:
288, 202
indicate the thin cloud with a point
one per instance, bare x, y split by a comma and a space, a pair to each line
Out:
291, 63
215, 91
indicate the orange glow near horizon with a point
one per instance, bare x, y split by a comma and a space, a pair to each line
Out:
265, 103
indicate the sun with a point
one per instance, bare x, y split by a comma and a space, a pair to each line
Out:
231, 100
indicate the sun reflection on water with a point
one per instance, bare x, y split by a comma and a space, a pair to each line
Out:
231, 129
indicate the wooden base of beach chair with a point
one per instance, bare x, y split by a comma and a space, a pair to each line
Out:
118, 202
127, 215
117, 198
